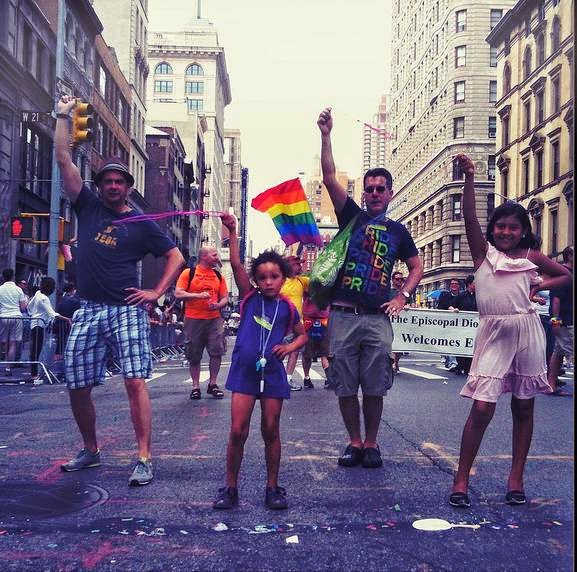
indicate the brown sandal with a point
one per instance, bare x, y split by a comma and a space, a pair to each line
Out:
195, 394
214, 390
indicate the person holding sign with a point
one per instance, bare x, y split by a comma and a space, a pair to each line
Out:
257, 371
509, 351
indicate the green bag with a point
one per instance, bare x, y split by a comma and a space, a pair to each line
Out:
326, 267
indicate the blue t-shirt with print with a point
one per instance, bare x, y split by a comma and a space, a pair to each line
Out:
375, 244
107, 254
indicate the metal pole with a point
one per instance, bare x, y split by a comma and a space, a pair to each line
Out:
55, 187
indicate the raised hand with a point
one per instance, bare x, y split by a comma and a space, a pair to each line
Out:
229, 221
325, 121
465, 164
65, 104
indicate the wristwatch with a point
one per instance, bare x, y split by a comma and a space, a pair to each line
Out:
405, 294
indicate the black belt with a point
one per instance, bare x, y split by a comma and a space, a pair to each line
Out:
355, 309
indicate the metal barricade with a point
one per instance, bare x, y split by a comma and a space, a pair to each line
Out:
35, 354
166, 341
30, 351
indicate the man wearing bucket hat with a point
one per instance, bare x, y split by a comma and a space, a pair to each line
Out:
112, 312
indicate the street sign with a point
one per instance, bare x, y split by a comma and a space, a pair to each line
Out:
43, 117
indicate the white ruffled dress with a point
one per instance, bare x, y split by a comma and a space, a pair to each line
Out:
509, 353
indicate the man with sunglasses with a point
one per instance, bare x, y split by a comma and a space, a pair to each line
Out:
112, 314
360, 330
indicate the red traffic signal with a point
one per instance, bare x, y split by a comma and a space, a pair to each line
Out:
23, 228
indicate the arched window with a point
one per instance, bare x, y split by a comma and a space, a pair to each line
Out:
194, 69
163, 68
540, 46
506, 80
527, 63
555, 34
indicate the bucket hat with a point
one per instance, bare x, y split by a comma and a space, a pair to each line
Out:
114, 164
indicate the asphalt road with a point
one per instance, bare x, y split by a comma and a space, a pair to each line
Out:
338, 519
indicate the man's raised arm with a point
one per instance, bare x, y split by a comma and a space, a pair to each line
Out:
71, 178
336, 191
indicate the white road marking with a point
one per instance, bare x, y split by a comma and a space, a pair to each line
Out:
314, 375
422, 374
154, 376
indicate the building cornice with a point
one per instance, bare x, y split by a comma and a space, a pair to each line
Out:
511, 19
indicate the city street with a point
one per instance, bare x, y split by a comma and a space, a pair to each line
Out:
338, 518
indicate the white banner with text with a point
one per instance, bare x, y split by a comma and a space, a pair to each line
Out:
435, 331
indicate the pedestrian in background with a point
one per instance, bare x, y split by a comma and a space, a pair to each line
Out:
13, 303
509, 351
466, 302
315, 322
42, 315
68, 304
295, 288
562, 325
398, 281
204, 293
446, 300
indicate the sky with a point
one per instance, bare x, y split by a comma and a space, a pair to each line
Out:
287, 60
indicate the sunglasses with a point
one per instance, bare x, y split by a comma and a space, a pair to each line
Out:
379, 188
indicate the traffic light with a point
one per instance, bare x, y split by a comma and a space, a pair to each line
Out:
82, 123
23, 228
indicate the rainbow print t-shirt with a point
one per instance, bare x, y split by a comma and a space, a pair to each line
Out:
375, 244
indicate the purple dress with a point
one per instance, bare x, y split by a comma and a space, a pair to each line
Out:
253, 334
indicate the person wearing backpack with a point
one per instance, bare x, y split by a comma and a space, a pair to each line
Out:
204, 293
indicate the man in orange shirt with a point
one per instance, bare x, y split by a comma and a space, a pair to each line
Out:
203, 295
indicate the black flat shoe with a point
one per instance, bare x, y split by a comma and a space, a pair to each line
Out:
372, 458
226, 498
460, 500
515, 497
275, 498
352, 457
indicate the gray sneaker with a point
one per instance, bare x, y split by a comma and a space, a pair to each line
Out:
84, 460
295, 386
142, 474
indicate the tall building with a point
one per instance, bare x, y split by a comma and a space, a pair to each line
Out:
190, 88
236, 181
535, 72
168, 189
28, 83
126, 30
322, 206
376, 137
318, 196
444, 82
111, 99
27, 71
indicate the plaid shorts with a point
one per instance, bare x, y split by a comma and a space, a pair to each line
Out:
100, 331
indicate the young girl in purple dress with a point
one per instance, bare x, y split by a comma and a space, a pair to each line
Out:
509, 353
257, 371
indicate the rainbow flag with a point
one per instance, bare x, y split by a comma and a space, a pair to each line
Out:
291, 214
